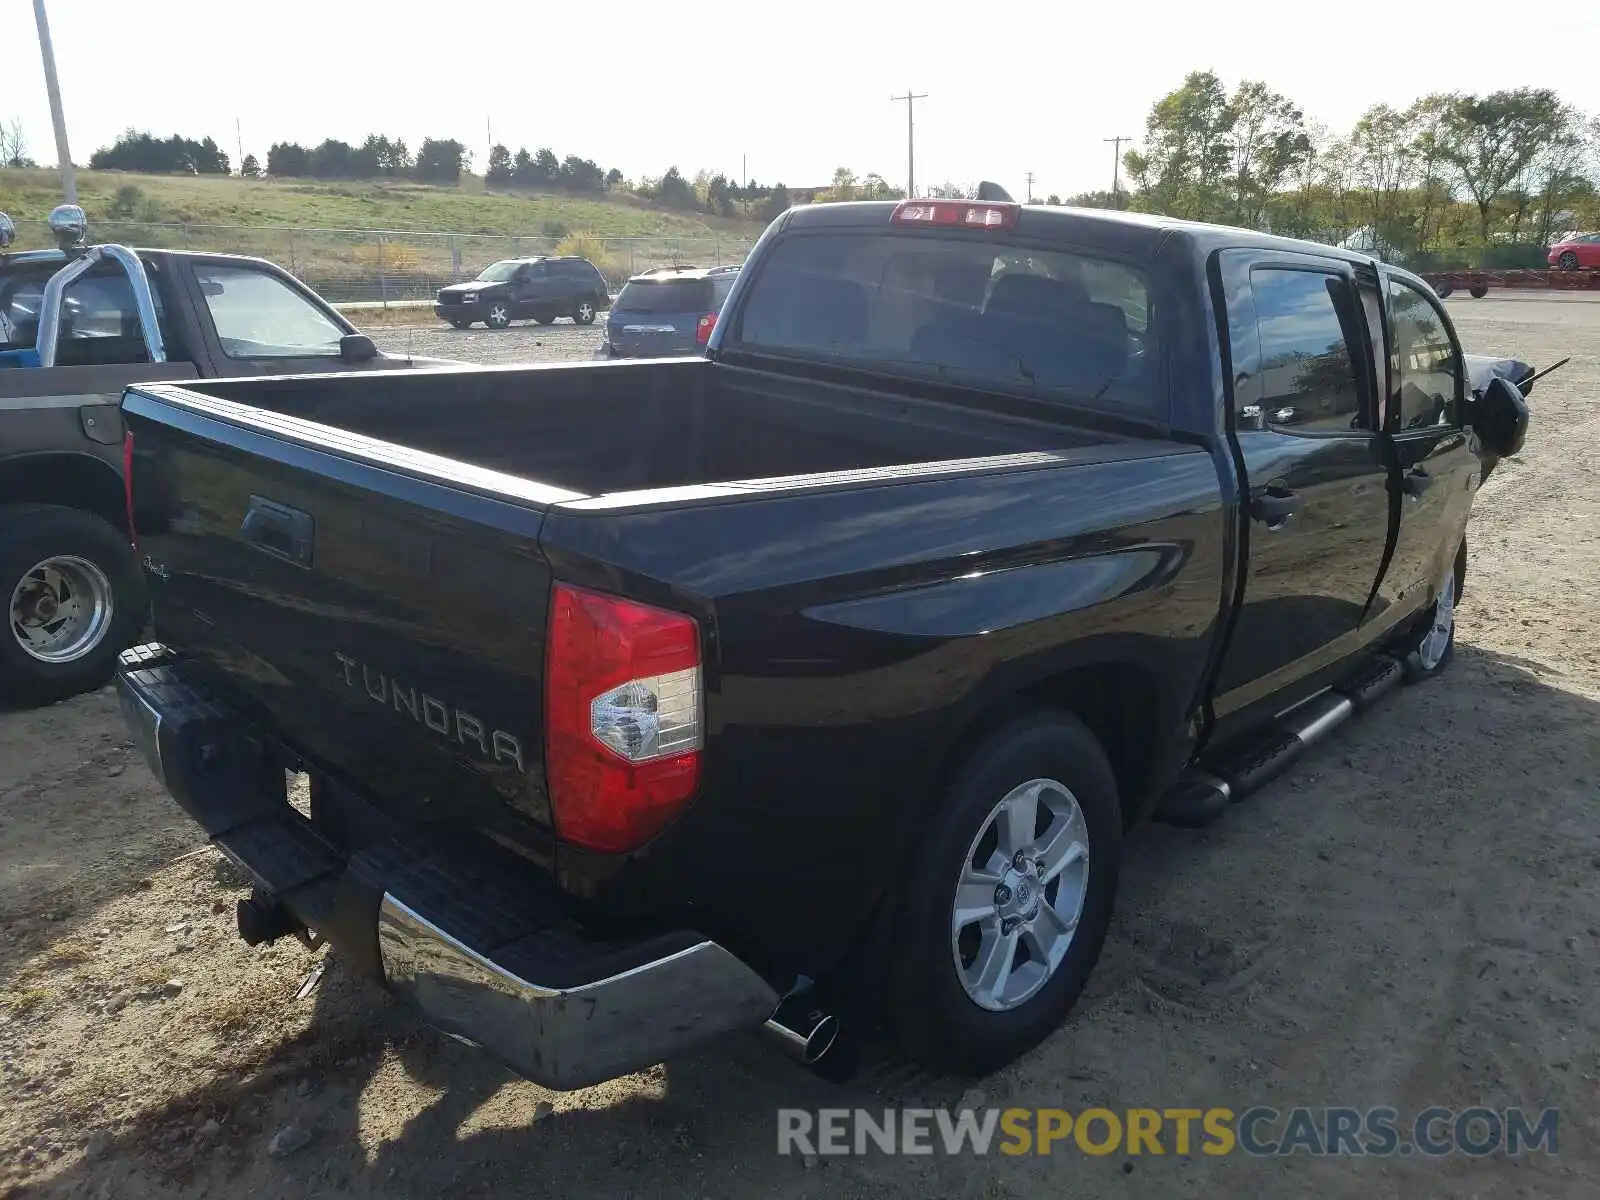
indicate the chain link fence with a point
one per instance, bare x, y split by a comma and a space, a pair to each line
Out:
371, 266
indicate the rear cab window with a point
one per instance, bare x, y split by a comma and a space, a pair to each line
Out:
1071, 326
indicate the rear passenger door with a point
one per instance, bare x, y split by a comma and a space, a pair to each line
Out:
1305, 414
533, 295
1438, 471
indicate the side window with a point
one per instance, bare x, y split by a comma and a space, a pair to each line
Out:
258, 315
1309, 380
1424, 367
720, 287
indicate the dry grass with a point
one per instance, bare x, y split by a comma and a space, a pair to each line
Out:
390, 318
70, 953
22, 1001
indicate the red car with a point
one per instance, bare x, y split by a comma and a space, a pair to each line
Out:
1579, 250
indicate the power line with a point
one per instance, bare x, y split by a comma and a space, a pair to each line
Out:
1116, 169
911, 99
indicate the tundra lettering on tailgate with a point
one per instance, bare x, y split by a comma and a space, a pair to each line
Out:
494, 745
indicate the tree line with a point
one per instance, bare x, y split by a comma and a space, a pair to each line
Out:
436, 160
1499, 174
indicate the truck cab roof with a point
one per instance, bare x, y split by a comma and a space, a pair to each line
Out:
1137, 235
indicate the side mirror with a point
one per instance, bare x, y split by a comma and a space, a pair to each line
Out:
357, 347
1500, 418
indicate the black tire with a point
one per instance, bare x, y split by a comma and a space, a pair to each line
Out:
1420, 662
545, 319
583, 313
498, 316
1443, 291
1568, 261
460, 323
1478, 293
930, 1011
30, 534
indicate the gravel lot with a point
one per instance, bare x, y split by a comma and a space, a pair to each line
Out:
1411, 918
561, 342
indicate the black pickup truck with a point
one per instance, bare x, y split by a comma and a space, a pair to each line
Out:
812, 684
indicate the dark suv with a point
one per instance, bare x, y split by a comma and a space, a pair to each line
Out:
667, 311
516, 289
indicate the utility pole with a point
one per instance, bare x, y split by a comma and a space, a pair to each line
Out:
238, 137
1030, 187
69, 181
1116, 168
911, 99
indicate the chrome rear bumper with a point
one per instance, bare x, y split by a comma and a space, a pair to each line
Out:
575, 1036
480, 952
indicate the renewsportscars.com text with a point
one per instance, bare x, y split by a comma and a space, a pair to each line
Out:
1257, 1132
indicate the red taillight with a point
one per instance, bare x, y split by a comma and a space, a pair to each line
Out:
127, 484
957, 214
622, 718
702, 331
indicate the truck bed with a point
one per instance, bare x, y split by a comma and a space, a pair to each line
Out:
598, 429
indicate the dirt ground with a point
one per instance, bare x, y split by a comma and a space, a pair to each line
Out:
1410, 918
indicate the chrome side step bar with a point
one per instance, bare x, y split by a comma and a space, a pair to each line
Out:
1207, 789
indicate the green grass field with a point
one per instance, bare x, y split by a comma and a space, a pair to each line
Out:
328, 232
29, 195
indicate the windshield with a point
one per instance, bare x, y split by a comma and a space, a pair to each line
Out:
665, 296
1041, 322
499, 272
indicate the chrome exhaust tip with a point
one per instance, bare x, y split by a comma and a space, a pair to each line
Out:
804, 1030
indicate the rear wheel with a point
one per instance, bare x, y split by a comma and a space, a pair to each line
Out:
544, 319
584, 313
498, 316
74, 600
1003, 913
1568, 261
460, 322
1478, 292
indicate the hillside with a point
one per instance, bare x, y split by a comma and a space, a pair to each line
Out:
431, 235
28, 195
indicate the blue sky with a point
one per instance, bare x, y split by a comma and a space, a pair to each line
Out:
798, 88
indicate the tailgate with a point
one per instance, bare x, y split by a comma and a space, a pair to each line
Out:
380, 609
